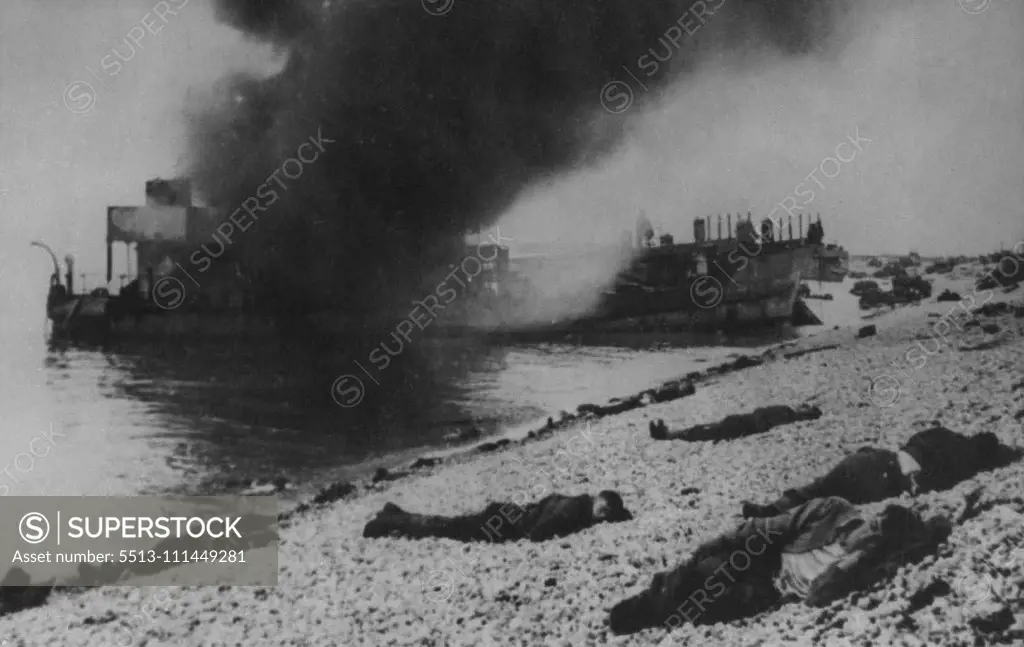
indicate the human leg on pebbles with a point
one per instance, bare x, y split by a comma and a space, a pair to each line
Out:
554, 516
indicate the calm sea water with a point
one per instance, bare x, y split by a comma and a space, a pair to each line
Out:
214, 418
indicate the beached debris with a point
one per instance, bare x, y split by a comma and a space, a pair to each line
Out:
333, 492
912, 287
463, 435
672, 391
742, 362
492, 446
985, 344
424, 461
992, 618
867, 331
382, 475
614, 406
862, 287
993, 309
805, 351
17, 593
537, 434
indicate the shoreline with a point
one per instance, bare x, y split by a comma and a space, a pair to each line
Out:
400, 591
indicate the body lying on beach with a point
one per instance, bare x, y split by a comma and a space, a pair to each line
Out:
553, 516
818, 552
737, 426
933, 459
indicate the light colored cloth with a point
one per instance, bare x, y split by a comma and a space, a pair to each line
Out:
799, 570
907, 463
910, 469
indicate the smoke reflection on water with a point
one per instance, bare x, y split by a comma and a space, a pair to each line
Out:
213, 419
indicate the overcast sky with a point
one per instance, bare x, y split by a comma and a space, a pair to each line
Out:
938, 91
59, 169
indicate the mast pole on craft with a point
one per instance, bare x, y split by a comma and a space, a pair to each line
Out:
53, 257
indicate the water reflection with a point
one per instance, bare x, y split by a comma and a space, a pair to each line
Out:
194, 418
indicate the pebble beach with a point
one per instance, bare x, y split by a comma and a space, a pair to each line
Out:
336, 588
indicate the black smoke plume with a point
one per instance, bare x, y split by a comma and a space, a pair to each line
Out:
438, 122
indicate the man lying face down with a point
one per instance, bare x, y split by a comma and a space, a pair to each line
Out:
818, 553
737, 426
555, 515
933, 459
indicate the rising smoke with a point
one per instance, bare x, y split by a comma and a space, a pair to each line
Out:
441, 122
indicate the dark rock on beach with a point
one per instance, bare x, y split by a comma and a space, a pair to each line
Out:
613, 407
424, 461
333, 492
746, 361
18, 593
993, 620
493, 446
993, 309
463, 435
383, 474
672, 391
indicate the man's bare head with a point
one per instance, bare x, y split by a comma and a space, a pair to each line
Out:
608, 506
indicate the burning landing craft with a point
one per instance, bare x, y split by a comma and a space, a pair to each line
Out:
710, 284
744, 280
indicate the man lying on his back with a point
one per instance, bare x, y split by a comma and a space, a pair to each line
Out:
818, 553
934, 459
555, 515
739, 425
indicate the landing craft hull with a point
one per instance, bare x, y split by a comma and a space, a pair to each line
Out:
761, 290
727, 315
79, 315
